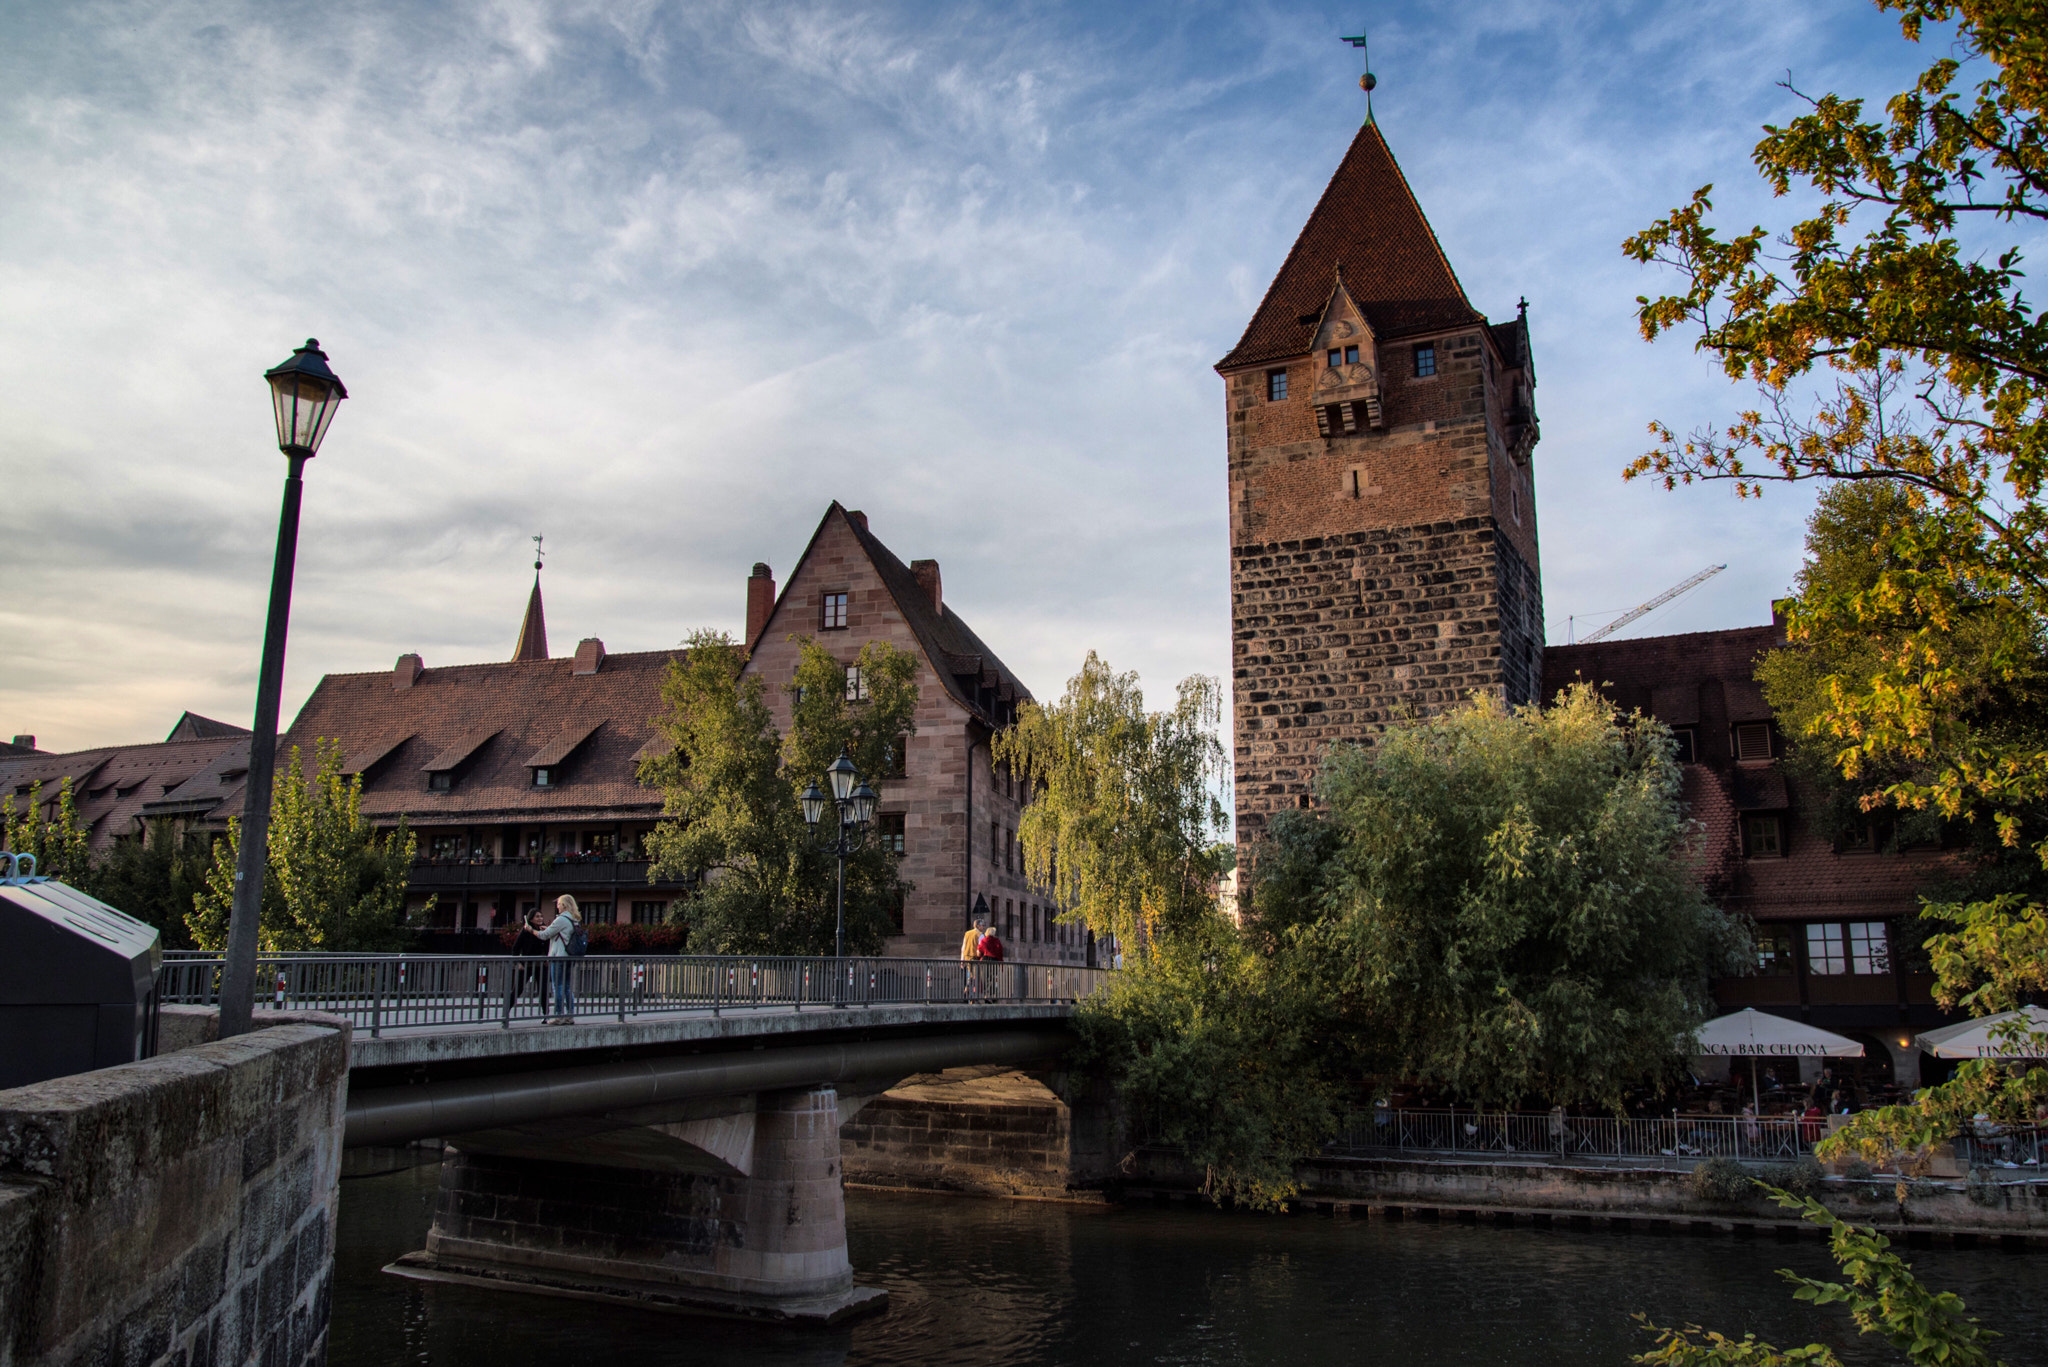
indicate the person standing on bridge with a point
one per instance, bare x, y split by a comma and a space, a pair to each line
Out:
970, 949
561, 967
529, 945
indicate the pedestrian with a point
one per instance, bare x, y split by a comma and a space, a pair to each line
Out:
560, 933
529, 945
970, 952
990, 952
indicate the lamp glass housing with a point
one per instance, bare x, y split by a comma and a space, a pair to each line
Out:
814, 801
843, 776
304, 394
863, 803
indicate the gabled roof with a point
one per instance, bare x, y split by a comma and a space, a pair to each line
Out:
957, 655
1369, 225
454, 756
192, 726
565, 742
114, 786
528, 704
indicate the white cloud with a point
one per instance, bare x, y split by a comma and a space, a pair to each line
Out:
662, 280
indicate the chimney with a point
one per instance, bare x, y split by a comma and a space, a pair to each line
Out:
760, 602
858, 518
407, 672
25, 742
927, 572
589, 655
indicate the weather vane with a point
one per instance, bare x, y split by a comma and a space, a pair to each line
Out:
536, 552
1368, 80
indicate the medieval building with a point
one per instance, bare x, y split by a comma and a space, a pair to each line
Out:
1382, 499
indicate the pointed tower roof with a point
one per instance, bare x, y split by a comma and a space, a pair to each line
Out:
533, 632
1368, 227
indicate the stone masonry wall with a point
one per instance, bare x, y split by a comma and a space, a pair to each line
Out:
1004, 1134
1336, 636
176, 1210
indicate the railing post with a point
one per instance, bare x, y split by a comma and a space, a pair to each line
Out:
377, 1002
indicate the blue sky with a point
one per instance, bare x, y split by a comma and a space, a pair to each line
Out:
660, 281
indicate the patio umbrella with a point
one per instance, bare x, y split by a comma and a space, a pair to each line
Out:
1751, 1033
1980, 1038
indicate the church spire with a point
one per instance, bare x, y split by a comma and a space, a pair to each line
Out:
533, 632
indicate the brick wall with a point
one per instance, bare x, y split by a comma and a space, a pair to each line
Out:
1004, 1134
177, 1210
1388, 572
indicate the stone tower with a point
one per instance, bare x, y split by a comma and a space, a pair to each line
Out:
1382, 502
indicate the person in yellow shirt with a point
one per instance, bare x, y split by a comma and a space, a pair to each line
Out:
970, 951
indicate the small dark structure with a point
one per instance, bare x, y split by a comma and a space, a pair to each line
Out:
77, 980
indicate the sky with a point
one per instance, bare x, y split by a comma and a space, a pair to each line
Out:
659, 281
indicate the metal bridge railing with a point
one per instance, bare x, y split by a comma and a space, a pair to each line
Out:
380, 992
1662, 1139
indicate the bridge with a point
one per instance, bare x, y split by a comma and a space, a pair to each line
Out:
678, 1146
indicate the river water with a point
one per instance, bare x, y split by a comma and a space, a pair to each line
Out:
1018, 1283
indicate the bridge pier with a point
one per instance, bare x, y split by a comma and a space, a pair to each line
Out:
735, 1211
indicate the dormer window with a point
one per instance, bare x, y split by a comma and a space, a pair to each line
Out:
1343, 356
440, 782
544, 776
835, 612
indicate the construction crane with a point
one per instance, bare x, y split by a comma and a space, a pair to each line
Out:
1659, 601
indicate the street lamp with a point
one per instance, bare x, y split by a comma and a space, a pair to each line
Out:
304, 393
853, 802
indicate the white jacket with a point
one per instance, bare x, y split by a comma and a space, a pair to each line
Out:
556, 933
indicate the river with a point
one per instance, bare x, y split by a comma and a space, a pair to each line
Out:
1014, 1284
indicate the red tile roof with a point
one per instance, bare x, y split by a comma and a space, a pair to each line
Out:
1369, 224
497, 716
114, 787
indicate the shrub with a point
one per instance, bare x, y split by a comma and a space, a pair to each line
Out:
1802, 1177
1722, 1181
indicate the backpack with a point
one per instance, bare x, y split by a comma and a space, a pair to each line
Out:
991, 947
579, 943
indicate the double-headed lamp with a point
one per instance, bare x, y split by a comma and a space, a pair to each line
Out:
305, 393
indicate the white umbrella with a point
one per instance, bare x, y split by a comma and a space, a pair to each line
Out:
1981, 1038
1753, 1033
1750, 1032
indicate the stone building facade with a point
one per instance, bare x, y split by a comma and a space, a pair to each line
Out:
1383, 555
953, 811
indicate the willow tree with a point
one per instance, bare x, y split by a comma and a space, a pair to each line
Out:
1126, 805
731, 821
334, 881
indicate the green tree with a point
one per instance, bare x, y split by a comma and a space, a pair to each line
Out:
62, 848
1877, 287
156, 878
333, 882
1508, 901
1230, 1055
730, 816
1126, 804
1882, 1296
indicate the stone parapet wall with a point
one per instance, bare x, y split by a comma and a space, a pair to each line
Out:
176, 1210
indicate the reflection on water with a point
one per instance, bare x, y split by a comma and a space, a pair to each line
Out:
995, 1282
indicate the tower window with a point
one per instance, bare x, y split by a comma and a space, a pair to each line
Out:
1351, 355
1336, 358
835, 612
1276, 385
1425, 360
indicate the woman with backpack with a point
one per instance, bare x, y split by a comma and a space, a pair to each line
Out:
566, 943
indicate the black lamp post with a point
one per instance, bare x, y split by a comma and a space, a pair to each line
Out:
305, 393
854, 802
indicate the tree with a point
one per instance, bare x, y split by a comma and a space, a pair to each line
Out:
1126, 804
1882, 1295
1508, 901
333, 882
156, 878
730, 815
1904, 307
62, 848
